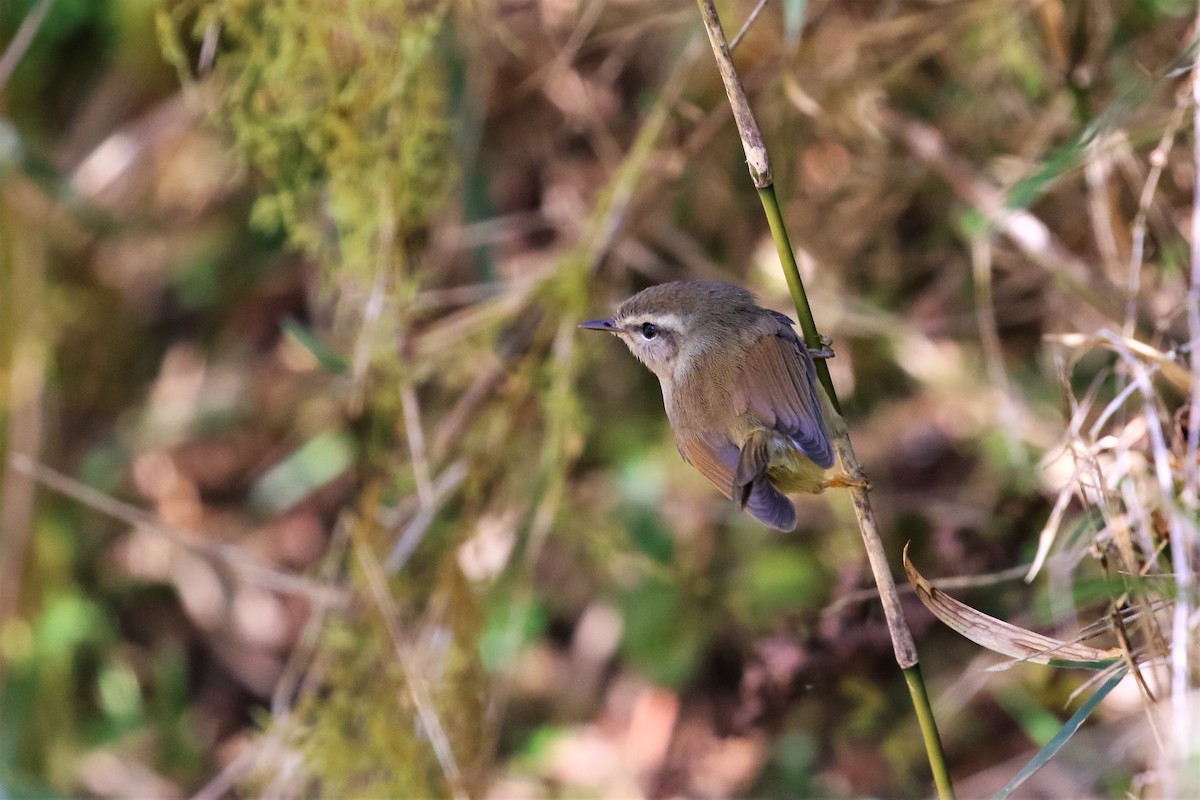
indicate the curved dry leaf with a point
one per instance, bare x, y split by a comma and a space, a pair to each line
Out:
1000, 636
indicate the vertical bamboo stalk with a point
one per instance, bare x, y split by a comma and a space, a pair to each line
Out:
759, 164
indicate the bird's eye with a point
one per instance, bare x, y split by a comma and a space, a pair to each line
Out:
649, 330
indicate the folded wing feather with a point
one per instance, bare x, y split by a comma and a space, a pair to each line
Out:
719, 461
777, 385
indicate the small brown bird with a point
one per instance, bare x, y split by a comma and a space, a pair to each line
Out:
740, 390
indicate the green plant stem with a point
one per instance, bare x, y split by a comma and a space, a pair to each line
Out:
929, 732
759, 165
902, 642
808, 326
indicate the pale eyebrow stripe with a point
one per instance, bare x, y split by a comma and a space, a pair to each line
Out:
669, 321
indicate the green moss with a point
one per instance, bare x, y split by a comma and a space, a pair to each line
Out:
340, 107
361, 735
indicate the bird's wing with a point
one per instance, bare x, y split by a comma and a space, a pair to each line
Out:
715, 460
777, 385
719, 462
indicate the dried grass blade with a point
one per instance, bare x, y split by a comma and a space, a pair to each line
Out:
1004, 637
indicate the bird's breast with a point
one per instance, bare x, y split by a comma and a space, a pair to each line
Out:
699, 404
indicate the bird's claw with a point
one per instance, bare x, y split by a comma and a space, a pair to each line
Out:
826, 350
844, 481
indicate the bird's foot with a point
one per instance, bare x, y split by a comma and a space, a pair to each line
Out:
826, 350
844, 481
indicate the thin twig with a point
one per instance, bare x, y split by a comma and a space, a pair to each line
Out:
455, 424
441, 489
737, 38
22, 39
208, 48
239, 559
126, 148
752, 142
1137, 250
483, 232
411, 409
233, 772
902, 642
989, 340
1192, 470
285, 688
1185, 579
302, 673
467, 294
414, 678
1099, 154
945, 584
602, 227
563, 58
372, 313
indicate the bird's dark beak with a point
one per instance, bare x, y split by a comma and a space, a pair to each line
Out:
600, 325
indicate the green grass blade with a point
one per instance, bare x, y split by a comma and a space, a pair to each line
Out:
1061, 738
329, 359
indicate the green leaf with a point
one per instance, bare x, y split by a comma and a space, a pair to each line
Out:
318, 461
69, 621
775, 580
793, 20
1030, 189
329, 359
511, 623
1037, 722
661, 638
1062, 737
647, 534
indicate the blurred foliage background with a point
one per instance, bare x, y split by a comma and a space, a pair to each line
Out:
310, 486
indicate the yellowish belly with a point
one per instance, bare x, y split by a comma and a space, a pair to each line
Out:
792, 471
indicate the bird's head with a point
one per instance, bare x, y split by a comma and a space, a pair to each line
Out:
669, 325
